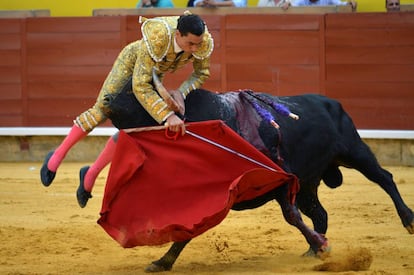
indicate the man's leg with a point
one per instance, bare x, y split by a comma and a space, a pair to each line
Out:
83, 125
88, 175
88, 120
54, 158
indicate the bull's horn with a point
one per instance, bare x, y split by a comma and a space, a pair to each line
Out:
172, 104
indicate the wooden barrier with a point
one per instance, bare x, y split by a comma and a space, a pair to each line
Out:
12, 62
51, 69
369, 67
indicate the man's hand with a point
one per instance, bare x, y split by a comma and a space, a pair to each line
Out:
284, 4
215, 4
353, 4
209, 3
175, 124
146, 3
178, 97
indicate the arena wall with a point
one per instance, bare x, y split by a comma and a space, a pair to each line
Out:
51, 68
15, 148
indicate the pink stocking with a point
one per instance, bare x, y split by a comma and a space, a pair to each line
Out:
75, 135
101, 162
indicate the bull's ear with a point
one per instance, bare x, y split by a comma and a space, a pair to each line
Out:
162, 91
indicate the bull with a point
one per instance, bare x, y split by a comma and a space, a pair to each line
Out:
312, 148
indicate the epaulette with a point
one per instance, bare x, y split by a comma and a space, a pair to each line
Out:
157, 37
206, 47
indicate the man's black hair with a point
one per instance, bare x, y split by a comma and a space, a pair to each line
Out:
191, 23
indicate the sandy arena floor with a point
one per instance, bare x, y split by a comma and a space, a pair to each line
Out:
43, 231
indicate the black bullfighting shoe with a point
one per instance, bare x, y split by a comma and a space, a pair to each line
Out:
46, 175
81, 194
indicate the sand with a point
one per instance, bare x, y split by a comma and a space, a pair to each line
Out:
44, 231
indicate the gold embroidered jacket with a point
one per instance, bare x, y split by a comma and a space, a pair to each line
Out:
156, 50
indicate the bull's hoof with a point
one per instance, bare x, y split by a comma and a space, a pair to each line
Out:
309, 253
410, 228
322, 253
153, 268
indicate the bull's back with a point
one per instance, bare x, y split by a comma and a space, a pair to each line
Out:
320, 139
318, 112
202, 105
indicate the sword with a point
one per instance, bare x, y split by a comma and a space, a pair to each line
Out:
209, 141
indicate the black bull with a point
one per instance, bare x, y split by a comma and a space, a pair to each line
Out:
312, 148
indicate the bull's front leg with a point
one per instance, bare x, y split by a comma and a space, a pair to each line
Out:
166, 262
318, 243
308, 202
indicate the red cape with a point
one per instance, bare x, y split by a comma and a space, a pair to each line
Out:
161, 190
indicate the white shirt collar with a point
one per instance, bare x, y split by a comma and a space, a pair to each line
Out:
177, 48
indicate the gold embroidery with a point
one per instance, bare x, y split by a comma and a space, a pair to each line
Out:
206, 47
157, 36
138, 59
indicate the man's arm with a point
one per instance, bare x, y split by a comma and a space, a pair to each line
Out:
200, 74
144, 90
